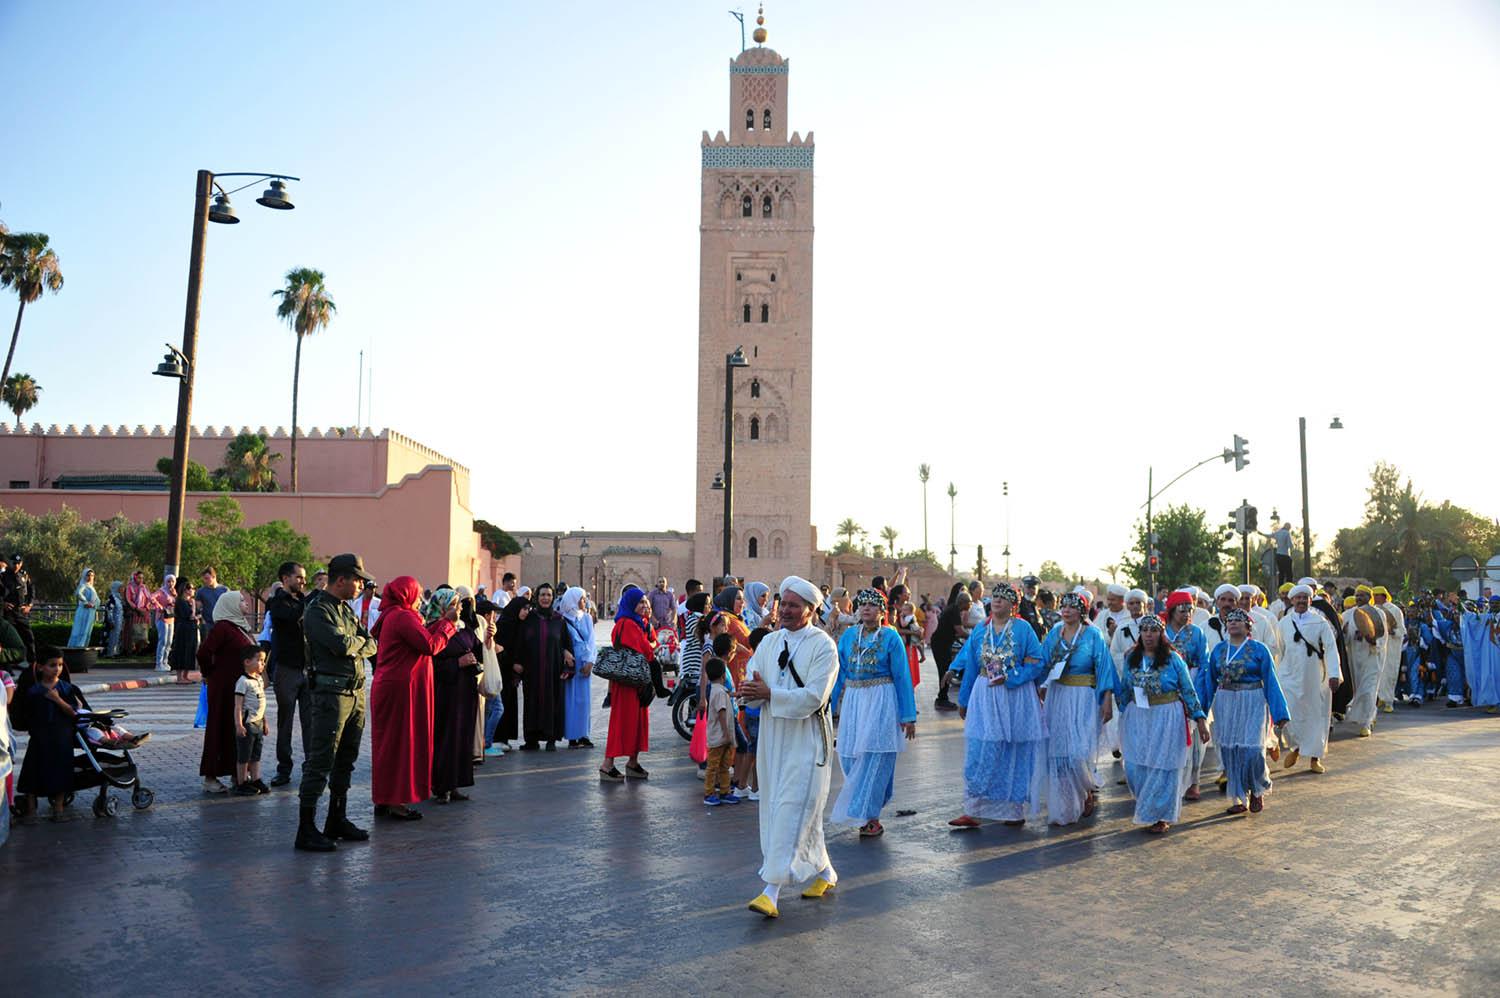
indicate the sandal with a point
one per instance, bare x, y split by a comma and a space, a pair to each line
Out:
1089, 805
611, 775
1237, 809
871, 829
1193, 794
1257, 804
1160, 828
964, 821
1014, 824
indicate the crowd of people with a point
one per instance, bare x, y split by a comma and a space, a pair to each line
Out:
1052, 689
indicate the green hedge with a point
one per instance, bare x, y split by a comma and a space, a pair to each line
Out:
58, 634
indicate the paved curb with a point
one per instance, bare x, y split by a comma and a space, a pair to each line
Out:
127, 684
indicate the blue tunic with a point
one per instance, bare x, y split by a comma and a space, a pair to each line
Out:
83, 617
1154, 739
1482, 657
1088, 656
1192, 645
1242, 688
1021, 663
1252, 665
578, 704
1005, 730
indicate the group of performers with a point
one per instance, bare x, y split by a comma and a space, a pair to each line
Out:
1225, 686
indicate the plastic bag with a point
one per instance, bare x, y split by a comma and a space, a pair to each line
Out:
494, 681
698, 746
200, 720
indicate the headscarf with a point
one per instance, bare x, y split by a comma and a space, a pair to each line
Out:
83, 578
626, 610
1151, 622
869, 597
168, 590
401, 593
754, 612
230, 608
1236, 614
1072, 601
114, 589
1007, 592
571, 604
724, 601
438, 605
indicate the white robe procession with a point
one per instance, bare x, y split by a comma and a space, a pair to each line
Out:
1395, 646
1304, 679
794, 754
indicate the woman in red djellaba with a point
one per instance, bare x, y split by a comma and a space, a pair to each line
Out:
401, 700
221, 663
629, 720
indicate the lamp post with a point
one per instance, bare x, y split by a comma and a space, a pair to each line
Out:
1005, 492
952, 519
583, 551
1337, 424
725, 480
181, 365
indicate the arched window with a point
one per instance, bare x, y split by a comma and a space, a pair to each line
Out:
754, 427
753, 548
747, 207
755, 389
765, 206
765, 313
773, 277
768, 118
747, 311
778, 548
750, 118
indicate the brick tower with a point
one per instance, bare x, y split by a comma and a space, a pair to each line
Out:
755, 290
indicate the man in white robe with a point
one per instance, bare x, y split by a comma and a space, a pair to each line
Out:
1112, 612
1367, 657
1395, 647
1308, 673
790, 678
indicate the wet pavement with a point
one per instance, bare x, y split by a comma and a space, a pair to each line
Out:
1377, 878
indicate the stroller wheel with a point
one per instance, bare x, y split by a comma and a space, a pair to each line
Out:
142, 798
105, 807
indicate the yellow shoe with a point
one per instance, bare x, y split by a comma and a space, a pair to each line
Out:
1492, 709
1386, 708
1291, 759
765, 906
1316, 767
1364, 732
817, 888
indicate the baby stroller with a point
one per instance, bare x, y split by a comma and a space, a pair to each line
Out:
106, 766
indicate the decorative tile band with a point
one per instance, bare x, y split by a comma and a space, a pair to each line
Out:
757, 158
758, 70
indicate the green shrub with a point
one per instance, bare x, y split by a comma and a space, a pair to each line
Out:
57, 634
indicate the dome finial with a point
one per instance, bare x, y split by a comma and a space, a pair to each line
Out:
760, 25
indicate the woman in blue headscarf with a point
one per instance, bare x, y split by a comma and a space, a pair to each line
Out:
756, 604
88, 608
629, 717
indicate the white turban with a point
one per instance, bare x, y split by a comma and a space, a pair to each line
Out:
1139, 594
1227, 588
1115, 589
1309, 582
803, 588
1301, 589
1250, 589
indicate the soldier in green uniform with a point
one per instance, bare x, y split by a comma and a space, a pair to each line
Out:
336, 643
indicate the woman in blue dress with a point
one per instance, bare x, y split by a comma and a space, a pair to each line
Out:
88, 610
1005, 731
878, 717
1081, 679
578, 703
1156, 699
1244, 694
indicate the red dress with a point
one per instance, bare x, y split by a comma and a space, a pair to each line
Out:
629, 719
401, 705
221, 662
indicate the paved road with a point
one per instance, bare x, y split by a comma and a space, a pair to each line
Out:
1377, 878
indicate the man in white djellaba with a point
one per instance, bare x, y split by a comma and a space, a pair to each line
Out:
1309, 673
790, 678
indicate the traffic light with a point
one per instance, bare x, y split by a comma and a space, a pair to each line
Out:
1153, 562
1237, 518
1241, 450
1251, 519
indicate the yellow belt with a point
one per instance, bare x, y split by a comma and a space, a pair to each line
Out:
1157, 699
1075, 680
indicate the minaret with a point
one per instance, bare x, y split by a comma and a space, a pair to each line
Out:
755, 290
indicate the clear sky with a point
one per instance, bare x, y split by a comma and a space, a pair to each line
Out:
1056, 243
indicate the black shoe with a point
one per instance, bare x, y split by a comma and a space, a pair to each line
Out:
338, 825
585, 743
529, 747
1453, 705
403, 814
246, 789
552, 746
259, 786
945, 705
281, 779
309, 839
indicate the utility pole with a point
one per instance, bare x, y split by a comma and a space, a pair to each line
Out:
952, 535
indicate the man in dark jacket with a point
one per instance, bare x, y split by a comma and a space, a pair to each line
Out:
19, 595
290, 653
336, 646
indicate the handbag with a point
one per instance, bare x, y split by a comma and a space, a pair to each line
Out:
623, 665
494, 681
698, 746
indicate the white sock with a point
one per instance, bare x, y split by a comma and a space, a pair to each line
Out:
772, 891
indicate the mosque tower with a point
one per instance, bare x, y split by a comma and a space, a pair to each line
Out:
755, 289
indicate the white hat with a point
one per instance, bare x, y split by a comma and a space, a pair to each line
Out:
1300, 589
803, 588
1227, 588
1139, 594
1248, 590
1309, 582
1115, 589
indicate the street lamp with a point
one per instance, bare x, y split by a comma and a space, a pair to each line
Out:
952, 518
1337, 424
726, 479
583, 551
180, 364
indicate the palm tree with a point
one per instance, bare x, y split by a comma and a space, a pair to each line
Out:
924, 472
19, 395
848, 529
29, 267
888, 534
306, 308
